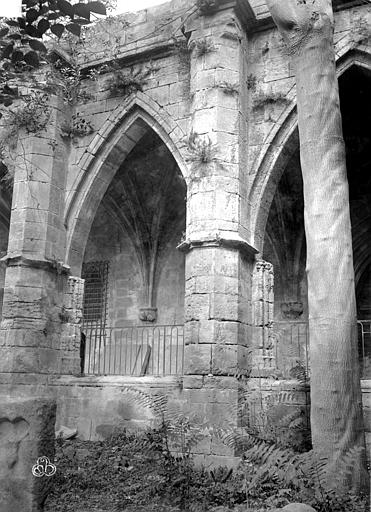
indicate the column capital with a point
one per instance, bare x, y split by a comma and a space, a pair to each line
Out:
220, 239
18, 260
242, 8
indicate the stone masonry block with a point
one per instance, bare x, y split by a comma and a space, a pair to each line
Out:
197, 306
225, 307
26, 433
226, 263
197, 359
230, 359
220, 382
192, 382
200, 262
191, 332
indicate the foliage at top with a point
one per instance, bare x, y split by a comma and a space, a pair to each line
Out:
206, 6
21, 39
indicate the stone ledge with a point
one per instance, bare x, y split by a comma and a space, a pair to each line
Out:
221, 239
18, 260
118, 381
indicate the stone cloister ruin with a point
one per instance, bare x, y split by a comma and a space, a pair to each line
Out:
180, 212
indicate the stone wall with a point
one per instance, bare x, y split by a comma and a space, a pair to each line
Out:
216, 100
97, 406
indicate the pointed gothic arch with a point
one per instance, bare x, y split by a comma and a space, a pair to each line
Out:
281, 144
101, 160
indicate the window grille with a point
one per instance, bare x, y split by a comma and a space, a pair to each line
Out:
95, 274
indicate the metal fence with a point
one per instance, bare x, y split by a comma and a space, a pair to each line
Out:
134, 350
292, 346
364, 347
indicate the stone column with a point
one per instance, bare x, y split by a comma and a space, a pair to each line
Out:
26, 435
30, 331
264, 357
219, 261
70, 360
36, 276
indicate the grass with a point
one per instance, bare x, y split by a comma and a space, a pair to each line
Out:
137, 472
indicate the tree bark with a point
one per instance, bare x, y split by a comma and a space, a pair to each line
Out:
336, 410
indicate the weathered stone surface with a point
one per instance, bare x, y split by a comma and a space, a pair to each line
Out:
62, 191
65, 432
26, 433
296, 507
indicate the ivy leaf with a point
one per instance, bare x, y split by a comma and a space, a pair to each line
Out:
14, 36
57, 29
81, 21
53, 16
12, 23
32, 31
4, 31
21, 23
82, 10
44, 9
10, 91
32, 59
97, 7
43, 26
17, 56
32, 15
66, 8
7, 51
30, 3
37, 46
74, 29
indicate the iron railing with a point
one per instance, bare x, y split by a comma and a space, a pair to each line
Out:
292, 345
135, 350
364, 347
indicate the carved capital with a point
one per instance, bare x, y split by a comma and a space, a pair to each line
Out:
292, 310
148, 314
18, 260
227, 240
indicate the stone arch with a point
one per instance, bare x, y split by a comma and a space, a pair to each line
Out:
101, 160
282, 144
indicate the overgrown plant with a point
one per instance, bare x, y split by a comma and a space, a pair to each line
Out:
251, 82
78, 127
230, 89
67, 79
153, 469
202, 46
124, 82
21, 39
206, 6
262, 99
32, 114
202, 149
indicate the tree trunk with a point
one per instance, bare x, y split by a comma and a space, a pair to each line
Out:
336, 410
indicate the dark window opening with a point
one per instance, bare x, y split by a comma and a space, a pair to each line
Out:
95, 274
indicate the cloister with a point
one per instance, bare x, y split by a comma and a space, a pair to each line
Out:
165, 250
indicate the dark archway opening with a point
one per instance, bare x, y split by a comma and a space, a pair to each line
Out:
284, 243
133, 313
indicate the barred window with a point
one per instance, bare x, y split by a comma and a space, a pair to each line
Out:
95, 274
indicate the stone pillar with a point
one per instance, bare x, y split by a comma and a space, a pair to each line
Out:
71, 317
26, 434
219, 261
36, 276
264, 356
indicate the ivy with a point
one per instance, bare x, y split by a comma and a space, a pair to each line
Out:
21, 40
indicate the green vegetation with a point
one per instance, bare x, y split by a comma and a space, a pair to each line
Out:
154, 469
